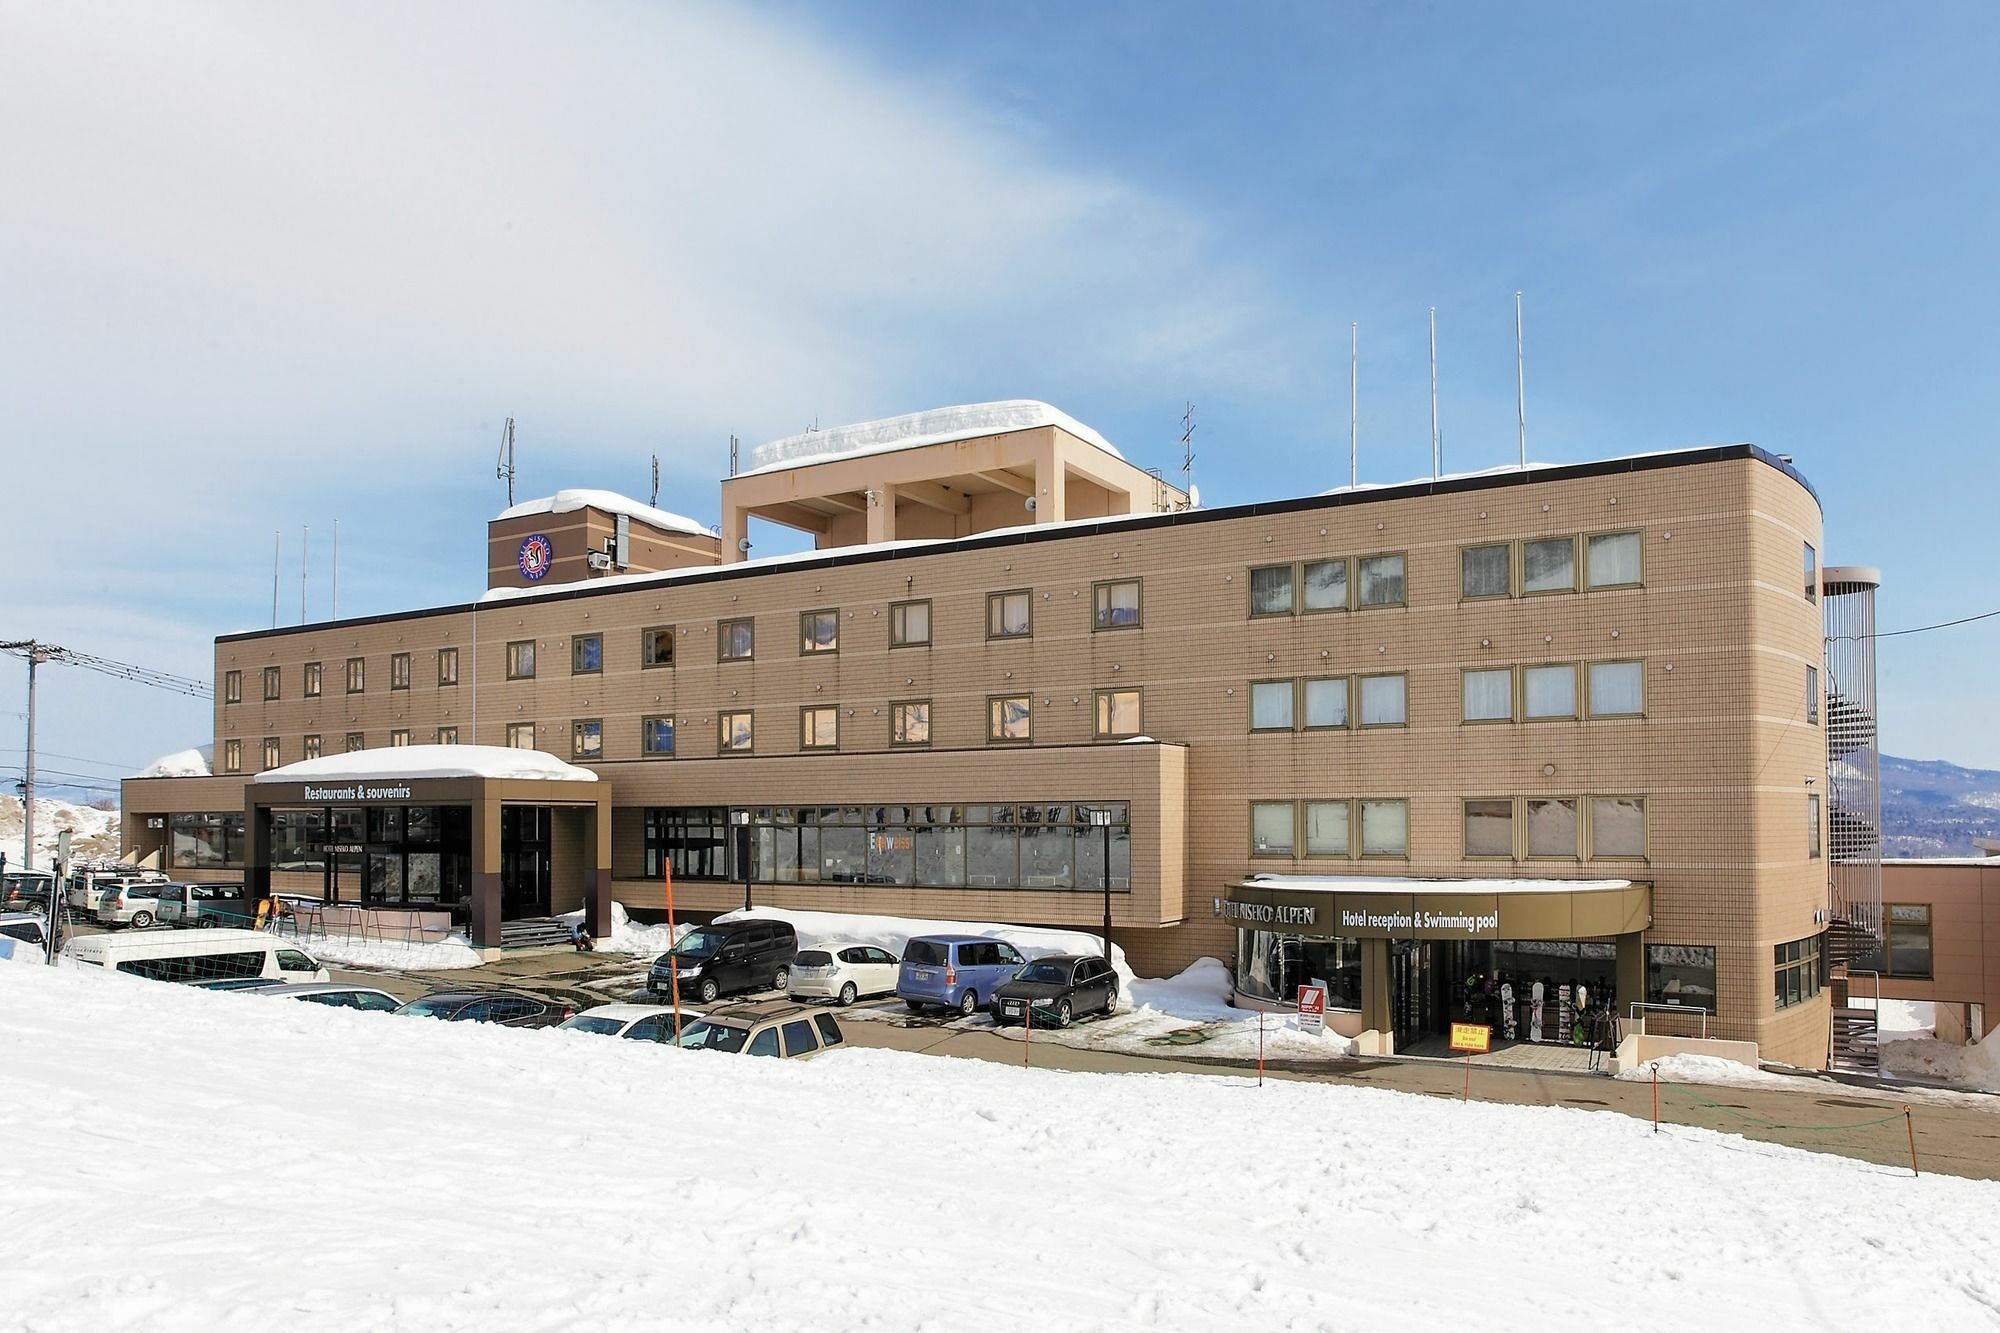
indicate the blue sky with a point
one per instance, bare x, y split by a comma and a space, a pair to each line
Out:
269, 267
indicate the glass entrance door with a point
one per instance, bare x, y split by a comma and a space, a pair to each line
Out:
524, 861
1413, 992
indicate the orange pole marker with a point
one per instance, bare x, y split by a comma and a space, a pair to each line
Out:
1027, 1030
1467, 1095
673, 943
1656, 1096
1911, 1126
1260, 1048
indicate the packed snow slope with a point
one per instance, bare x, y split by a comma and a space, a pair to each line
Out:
238, 1162
93, 832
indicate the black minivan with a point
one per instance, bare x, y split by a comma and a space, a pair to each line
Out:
727, 956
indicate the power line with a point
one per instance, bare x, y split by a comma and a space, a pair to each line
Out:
1943, 624
138, 675
124, 769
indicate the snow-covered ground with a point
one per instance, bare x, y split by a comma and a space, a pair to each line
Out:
1687, 1068
554, 1180
627, 935
94, 832
390, 955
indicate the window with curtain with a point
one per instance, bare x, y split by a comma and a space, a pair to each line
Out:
910, 722
1617, 826
1485, 571
1271, 832
1552, 826
1118, 713
1549, 691
1385, 828
735, 640
1117, 604
1010, 615
1271, 590
909, 624
1612, 560
1549, 565
819, 728
819, 632
1383, 701
1010, 718
1327, 828
736, 733
1271, 705
1617, 689
1325, 584
1489, 827
1488, 695
1379, 580
1326, 702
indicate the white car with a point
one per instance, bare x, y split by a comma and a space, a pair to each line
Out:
639, 1022
843, 972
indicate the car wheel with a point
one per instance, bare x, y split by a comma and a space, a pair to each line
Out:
781, 978
968, 1004
847, 994
708, 990
1062, 1010
1111, 1002
141, 920
916, 1006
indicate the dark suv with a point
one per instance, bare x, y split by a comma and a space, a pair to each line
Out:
728, 956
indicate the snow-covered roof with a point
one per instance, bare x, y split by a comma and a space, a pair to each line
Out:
193, 763
610, 502
1393, 884
430, 761
937, 426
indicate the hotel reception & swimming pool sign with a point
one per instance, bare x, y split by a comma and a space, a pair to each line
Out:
1438, 909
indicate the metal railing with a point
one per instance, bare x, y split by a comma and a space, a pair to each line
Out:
1637, 1015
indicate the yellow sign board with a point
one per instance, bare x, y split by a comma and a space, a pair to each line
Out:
1472, 1038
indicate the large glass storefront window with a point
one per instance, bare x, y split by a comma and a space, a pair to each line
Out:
212, 841
1270, 966
1681, 974
1049, 846
378, 856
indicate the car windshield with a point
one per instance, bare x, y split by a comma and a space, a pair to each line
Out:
435, 1007
705, 1036
1056, 972
608, 1027
928, 953
699, 944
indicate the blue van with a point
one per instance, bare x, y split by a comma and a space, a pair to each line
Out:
954, 971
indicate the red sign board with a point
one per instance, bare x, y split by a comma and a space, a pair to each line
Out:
1312, 1008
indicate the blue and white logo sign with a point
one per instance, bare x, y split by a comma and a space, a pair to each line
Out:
536, 556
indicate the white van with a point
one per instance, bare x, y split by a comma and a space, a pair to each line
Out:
198, 955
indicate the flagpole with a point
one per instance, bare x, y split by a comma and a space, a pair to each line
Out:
1353, 405
1520, 379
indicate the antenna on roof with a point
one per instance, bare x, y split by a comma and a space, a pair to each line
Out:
655, 501
277, 547
505, 470
735, 452
1437, 440
305, 567
1187, 450
1520, 380
1353, 405
336, 559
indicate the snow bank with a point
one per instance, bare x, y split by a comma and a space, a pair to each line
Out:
449, 954
1685, 1068
609, 502
1213, 1203
430, 761
1191, 1014
916, 429
195, 763
1925, 1057
893, 932
94, 833
627, 935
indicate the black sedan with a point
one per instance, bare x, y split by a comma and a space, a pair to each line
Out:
1058, 988
510, 1009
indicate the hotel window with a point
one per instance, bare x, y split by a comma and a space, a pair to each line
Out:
1271, 590
1682, 974
909, 624
357, 674
586, 655
1324, 584
1118, 713
399, 737
1271, 705
1486, 571
232, 756
270, 752
1326, 702
1552, 826
737, 733
819, 632
1117, 604
447, 666
1812, 573
586, 738
1379, 580
1549, 565
270, 683
1812, 696
313, 678
356, 741
521, 735
656, 646
1327, 828
1489, 827
1611, 560
232, 687
1797, 970
656, 736
1010, 615
399, 671
447, 735
819, 728
1812, 825
1487, 695
311, 747
910, 722
1385, 828
1617, 827
1272, 828
521, 660
735, 640
1617, 689
1549, 691
1909, 952
1384, 701
1010, 719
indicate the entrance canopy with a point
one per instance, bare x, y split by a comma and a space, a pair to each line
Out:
1385, 907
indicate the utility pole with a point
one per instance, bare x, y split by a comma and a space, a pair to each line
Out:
36, 655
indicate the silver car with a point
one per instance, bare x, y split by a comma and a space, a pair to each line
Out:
131, 903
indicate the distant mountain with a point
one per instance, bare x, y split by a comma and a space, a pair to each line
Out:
1931, 808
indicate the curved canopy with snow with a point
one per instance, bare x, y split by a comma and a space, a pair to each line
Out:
431, 761
917, 429
608, 502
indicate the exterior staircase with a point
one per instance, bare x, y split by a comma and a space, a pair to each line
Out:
536, 932
1855, 1049
1851, 954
